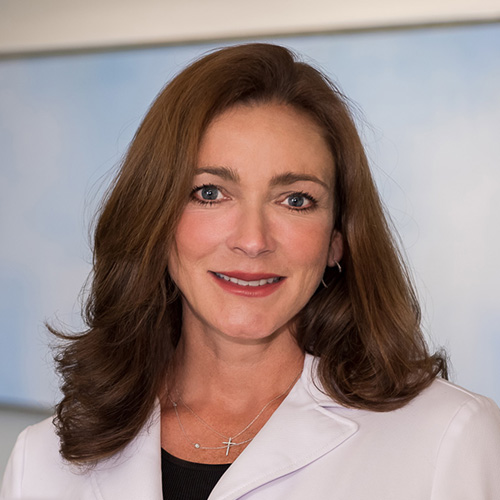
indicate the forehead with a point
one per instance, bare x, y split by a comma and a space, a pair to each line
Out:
267, 138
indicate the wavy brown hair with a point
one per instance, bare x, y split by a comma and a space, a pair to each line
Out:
365, 327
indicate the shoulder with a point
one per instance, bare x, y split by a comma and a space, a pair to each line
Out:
475, 417
467, 458
447, 437
442, 415
451, 403
36, 468
441, 401
42, 434
451, 394
39, 439
35, 464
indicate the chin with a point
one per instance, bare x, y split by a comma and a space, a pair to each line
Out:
256, 333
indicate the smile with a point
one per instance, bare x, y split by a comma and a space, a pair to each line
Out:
254, 283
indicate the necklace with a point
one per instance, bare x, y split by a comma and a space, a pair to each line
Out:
229, 441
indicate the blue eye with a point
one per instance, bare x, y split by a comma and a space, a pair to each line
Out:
299, 201
209, 193
296, 200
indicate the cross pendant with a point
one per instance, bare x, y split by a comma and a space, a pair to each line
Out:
229, 444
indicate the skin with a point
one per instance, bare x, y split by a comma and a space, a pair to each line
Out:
262, 204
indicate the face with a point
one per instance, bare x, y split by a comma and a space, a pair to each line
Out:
253, 241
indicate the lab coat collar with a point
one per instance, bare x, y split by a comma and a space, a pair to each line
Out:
300, 431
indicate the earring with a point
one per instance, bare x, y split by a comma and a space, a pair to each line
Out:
339, 267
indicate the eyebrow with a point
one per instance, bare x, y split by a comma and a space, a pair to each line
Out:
291, 177
226, 173
284, 179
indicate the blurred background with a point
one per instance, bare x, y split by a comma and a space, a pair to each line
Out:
77, 77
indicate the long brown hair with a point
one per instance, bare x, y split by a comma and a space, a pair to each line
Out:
365, 326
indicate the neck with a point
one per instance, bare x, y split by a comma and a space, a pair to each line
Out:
236, 375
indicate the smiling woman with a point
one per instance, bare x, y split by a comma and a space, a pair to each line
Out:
252, 330
244, 232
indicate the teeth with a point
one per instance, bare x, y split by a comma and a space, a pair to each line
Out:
247, 283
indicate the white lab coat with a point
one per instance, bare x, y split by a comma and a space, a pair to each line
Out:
444, 445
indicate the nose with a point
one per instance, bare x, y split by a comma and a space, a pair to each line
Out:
252, 234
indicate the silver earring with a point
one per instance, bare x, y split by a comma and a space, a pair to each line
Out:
339, 267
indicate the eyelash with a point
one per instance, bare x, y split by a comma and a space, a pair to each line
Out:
210, 203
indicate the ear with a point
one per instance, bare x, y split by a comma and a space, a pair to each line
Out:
336, 249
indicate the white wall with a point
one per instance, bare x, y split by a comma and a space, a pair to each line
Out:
45, 25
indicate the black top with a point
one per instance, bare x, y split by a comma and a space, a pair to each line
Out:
182, 480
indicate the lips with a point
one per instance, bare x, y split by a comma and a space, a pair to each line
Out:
250, 280
248, 284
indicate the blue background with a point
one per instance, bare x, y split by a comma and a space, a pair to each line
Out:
428, 107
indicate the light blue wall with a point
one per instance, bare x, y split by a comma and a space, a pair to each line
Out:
430, 97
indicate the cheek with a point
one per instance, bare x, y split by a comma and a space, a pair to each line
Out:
306, 242
198, 233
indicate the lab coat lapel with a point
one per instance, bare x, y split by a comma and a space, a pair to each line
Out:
300, 431
135, 472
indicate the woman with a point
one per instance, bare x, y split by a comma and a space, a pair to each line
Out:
252, 331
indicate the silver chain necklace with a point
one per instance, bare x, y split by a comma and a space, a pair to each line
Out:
228, 440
